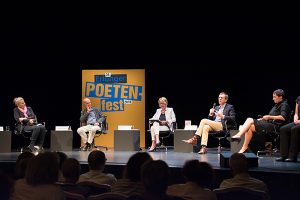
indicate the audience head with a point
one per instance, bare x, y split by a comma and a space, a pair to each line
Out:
42, 169
155, 176
134, 165
96, 160
61, 158
5, 186
201, 173
238, 163
71, 170
19, 102
21, 164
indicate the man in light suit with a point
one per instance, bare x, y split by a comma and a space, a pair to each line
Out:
217, 118
162, 121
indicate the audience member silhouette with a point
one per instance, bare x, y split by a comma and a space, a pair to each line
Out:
241, 178
39, 183
131, 183
61, 159
6, 186
290, 137
199, 177
21, 164
155, 177
71, 171
96, 161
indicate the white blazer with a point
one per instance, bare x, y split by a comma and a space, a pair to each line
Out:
170, 115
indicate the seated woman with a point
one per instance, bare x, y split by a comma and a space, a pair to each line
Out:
163, 119
289, 137
267, 123
26, 121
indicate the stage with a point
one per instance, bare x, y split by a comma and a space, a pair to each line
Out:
282, 178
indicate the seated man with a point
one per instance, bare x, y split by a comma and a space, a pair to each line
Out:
91, 119
163, 119
216, 122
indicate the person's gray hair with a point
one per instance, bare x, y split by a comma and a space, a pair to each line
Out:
225, 95
163, 100
17, 100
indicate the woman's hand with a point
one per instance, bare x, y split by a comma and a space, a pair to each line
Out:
22, 118
163, 122
31, 121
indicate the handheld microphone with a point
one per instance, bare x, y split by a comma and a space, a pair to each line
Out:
214, 105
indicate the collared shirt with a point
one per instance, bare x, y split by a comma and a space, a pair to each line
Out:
92, 117
221, 108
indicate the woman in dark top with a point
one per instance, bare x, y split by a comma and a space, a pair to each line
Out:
26, 121
290, 137
267, 123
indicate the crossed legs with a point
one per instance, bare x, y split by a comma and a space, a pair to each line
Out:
248, 128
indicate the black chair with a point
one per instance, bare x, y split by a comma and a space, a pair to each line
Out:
238, 193
24, 135
103, 130
95, 188
163, 135
222, 134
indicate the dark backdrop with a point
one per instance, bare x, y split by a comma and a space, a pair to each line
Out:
188, 58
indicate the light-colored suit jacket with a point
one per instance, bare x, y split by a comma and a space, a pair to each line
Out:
170, 115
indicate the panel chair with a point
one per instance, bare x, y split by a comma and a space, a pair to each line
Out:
164, 134
238, 193
103, 130
222, 134
25, 135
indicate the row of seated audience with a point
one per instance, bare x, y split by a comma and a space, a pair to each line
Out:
220, 118
37, 177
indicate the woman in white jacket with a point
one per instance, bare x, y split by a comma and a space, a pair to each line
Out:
162, 121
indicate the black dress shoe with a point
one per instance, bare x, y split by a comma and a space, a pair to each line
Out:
281, 159
290, 160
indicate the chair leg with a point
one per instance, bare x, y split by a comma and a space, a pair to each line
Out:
219, 146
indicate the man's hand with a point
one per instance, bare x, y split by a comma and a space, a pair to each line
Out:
31, 121
96, 124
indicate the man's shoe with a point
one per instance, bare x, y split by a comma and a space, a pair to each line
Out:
192, 140
290, 160
280, 159
89, 147
203, 150
32, 148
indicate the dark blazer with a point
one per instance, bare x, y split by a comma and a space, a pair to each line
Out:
101, 119
229, 113
18, 114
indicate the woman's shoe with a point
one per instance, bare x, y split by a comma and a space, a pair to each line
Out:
151, 150
243, 151
232, 139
